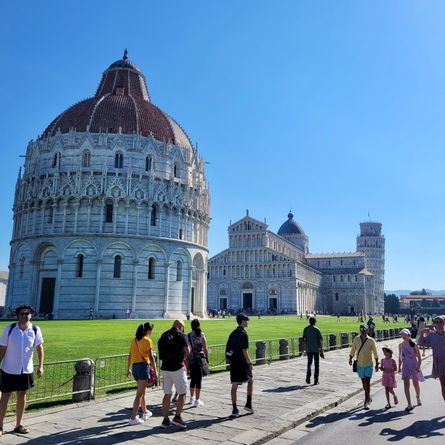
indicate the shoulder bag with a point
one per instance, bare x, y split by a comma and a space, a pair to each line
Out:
354, 364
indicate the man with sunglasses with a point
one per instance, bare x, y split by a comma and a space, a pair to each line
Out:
436, 340
17, 344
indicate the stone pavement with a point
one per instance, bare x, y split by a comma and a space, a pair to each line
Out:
282, 400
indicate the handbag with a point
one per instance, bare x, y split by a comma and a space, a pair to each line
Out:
201, 360
354, 363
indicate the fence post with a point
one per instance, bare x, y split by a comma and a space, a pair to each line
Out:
260, 353
332, 341
292, 347
83, 380
284, 349
344, 340
300, 345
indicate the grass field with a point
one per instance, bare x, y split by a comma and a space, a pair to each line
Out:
76, 339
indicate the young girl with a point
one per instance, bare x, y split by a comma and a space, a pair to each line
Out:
409, 365
140, 360
389, 367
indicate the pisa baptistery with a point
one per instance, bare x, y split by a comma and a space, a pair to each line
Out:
112, 211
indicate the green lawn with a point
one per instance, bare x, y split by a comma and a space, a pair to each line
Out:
76, 339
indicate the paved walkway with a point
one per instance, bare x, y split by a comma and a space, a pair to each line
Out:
281, 399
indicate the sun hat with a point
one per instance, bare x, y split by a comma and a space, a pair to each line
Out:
387, 348
405, 331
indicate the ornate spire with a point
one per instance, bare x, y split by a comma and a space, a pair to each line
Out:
125, 57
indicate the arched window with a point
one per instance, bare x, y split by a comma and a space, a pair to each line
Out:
117, 266
336, 296
154, 211
181, 234
109, 213
56, 160
79, 266
175, 170
119, 160
50, 214
151, 268
178, 270
86, 159
148, 164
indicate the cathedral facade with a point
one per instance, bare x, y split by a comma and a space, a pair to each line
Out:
275, 273
112, 210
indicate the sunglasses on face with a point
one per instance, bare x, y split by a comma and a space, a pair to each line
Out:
25, 314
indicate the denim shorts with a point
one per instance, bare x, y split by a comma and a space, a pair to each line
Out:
140, 371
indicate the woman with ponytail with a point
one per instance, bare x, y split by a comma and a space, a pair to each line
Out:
140, 362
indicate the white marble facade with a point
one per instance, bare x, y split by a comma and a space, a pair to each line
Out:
113, 218
275, 273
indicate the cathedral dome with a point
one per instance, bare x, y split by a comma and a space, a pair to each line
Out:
121, 105
290, 227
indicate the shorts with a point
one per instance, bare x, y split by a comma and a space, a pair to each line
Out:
240, 372
365, 371
140, 371
16, 382
177, 378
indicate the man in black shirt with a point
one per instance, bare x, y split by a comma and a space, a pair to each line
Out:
240, 363
173, 350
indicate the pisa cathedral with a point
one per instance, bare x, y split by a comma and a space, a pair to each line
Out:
274, 272
112, 210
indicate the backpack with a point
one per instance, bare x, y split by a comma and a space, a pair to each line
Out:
13, 325
166, 348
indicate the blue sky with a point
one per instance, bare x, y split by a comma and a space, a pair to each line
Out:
331, 109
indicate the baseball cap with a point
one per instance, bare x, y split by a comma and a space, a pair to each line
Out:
362, 326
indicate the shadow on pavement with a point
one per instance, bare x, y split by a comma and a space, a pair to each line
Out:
331, 418
119, 431
284, 388
421, 429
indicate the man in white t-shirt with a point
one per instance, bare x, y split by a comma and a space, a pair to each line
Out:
17, 344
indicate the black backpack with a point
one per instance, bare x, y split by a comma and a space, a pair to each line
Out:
166, 348
13, 325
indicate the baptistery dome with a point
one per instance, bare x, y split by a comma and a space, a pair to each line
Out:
111, 213
121, 105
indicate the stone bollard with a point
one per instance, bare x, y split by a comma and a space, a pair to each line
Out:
332, 341
83, 380
379, 334
391, 333
344, 340
396, 332
260, 353
385, 334
353, 335
300, 345
284, 349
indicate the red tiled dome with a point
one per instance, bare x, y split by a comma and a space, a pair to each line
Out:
121, 104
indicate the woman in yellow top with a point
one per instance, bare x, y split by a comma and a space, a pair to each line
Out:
140, 360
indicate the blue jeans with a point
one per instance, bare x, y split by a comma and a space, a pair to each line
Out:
315, 357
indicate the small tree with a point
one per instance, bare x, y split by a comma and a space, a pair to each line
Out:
392, 304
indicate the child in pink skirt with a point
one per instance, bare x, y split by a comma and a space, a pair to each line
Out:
389, 367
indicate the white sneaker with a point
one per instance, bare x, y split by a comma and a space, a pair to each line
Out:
135, 421
147, 415
198, 403
192, 401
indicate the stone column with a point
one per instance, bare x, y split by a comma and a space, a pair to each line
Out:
149, 219
57, 289
10, 288
97, 293
76, 215
167, 282
138, 212
32, 287
135, 285
127, 207
190, 290
64, 216
102, 210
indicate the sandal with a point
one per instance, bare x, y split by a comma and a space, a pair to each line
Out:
388, 406
409, 408
21, 429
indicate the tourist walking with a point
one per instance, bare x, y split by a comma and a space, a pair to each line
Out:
198, 352
240, 364
313, 345
173, 351
409, 365
421, 325
142, 365
436, 340
17, 371
365, 347
388, 366
371, 327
